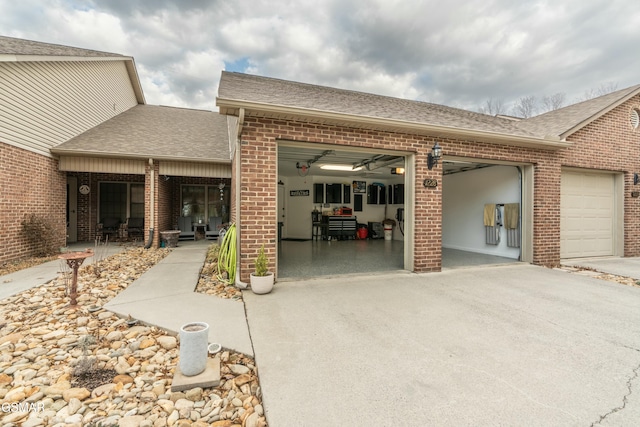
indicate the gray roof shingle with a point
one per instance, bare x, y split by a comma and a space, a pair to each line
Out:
270, 91
244, 87
157, 132
560, 121
13, 46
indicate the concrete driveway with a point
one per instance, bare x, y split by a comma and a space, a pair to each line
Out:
629, 267
514, 346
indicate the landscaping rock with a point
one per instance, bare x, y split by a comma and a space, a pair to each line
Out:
128, 370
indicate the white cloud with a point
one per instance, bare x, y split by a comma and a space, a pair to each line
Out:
457, 52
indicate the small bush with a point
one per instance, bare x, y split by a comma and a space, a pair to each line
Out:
40, 233
261, 263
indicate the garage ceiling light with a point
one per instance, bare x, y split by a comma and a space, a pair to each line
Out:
347, 168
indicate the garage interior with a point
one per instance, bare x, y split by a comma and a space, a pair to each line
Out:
308, 177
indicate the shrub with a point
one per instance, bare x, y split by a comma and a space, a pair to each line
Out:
261, 263
40, 233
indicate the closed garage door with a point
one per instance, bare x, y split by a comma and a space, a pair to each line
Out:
587, 206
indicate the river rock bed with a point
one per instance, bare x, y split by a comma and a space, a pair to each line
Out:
65, 366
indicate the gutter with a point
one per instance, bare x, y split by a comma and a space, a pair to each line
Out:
230, 106
86, 153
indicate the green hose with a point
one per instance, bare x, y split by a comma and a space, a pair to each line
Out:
227, 256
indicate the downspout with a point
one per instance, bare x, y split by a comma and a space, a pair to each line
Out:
520, 213
152, 206
239, 284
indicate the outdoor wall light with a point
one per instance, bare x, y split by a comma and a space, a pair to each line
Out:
434, 156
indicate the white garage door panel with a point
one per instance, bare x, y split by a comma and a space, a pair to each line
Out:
587, 205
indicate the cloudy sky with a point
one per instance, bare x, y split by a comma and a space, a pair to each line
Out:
457, 53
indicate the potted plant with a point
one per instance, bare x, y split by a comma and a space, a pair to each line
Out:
262, 278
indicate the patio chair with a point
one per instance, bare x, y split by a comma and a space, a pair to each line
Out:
213, 227
135, 227
186, 228
109, 226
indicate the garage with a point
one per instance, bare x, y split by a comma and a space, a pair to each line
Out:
327, 195
470, 187
589, 214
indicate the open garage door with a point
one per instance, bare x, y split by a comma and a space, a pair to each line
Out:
468, 187
587, 214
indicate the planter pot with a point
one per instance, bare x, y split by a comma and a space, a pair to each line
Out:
193, 348
262, 284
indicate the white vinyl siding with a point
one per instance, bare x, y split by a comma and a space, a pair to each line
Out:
43, 104
587, 214
103, 165
207, 170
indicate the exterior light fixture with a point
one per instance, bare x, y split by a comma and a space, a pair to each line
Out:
434, 156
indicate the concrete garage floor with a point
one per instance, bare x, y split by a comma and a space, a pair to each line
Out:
301, 259
510, 345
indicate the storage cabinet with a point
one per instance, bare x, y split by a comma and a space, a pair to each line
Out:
376, 194
334, 193
339, 227
396, 194
318, 193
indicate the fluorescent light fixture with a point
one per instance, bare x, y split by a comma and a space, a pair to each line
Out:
346, 168
397, 171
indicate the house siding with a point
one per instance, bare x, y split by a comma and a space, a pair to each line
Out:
29, 184
43, 104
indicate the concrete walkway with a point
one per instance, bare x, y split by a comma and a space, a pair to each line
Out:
14, 283
512, 345
163, 296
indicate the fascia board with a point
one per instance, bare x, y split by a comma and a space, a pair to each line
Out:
599, 114
229, 106
85, 153
46, 58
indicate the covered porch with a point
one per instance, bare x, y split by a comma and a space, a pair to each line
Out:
150, 169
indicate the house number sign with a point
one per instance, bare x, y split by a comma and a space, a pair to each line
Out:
430, 183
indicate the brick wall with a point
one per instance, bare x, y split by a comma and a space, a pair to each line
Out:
258, 186
610, 143
29, 184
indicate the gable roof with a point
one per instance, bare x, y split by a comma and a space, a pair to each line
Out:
271, 97
13, 46
280, 98
19, 50
146, 131
565, 121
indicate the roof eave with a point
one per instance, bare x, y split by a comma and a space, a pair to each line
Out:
232, 107
58, 58
135, 80
599, 114
87, 153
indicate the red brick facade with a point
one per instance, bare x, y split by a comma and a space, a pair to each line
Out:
608, 144
29, 184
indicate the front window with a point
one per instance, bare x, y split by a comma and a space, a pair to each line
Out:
121, 200
200, 202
